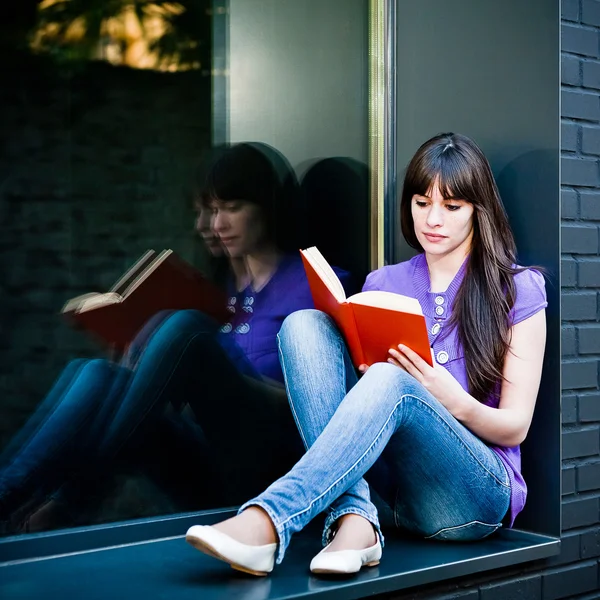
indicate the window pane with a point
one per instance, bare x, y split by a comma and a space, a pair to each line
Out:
230, 133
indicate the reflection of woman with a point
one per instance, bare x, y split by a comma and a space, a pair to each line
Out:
439, 444
98, 410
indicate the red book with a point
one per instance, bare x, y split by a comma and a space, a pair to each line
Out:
371, 322
157, 281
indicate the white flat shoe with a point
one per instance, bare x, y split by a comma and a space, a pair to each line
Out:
255, 560
346, 561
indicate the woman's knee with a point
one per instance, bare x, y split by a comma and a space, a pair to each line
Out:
77, 363
306, 326
390, 386
189, 320
185, 332
182, 325
90, 384
385, 376
96, 369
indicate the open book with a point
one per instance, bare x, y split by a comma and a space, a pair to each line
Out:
371, 322
157, 281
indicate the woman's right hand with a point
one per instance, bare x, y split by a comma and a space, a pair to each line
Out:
362, 369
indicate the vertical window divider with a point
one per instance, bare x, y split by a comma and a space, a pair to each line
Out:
377, 127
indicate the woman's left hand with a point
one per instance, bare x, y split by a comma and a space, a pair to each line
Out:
436, 380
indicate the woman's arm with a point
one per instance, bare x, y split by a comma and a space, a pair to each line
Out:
508, 424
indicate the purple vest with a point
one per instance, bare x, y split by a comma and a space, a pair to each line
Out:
411, 278
250, 337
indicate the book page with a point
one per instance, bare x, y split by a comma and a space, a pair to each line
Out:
98, 300
74, 303
389, 300
325, 272
135, 270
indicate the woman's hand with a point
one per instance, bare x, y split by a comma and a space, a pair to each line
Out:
436, 380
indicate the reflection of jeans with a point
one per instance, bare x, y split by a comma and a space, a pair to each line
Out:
440, 480
96, 407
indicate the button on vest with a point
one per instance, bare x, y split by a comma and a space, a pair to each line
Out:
442, 357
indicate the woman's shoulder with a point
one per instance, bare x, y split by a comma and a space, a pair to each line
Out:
530, 295
392, 278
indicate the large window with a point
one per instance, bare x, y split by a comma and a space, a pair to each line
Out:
116, 119
115, 115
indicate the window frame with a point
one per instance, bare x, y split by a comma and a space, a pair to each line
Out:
383, 227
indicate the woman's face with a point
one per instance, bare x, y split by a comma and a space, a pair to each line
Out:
442, 226
238, 225
210, 239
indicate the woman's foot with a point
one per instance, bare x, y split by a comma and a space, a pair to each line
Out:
355, 545
353, 533
247, 542
252, 526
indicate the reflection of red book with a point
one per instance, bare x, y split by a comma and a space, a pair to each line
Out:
371, 322
157, 281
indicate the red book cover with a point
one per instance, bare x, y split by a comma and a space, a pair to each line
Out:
340, 312
380, 329
371, 322
166, 283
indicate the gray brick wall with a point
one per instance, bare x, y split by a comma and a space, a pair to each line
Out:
95, 168
576, 570
575, 573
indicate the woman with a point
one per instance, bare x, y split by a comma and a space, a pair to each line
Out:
99, 410
439, 444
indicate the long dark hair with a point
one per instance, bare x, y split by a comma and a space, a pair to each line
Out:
487, 293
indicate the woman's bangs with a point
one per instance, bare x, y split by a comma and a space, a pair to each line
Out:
225, 185
454, 178
421, 179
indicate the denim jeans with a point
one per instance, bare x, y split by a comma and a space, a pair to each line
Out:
98, 410
441, 481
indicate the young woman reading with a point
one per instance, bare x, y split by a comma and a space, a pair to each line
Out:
439, 444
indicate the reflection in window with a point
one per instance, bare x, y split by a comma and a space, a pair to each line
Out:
110, 151
165, 36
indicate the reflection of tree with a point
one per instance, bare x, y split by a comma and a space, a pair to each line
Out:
138, 33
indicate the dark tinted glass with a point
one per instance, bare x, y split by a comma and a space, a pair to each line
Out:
232, 133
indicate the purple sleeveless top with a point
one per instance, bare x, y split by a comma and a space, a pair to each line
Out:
250, 337
411, 278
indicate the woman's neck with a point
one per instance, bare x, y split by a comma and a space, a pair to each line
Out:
443, 269
240, 272
259, 267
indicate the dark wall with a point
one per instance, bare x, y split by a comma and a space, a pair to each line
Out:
96, 167
575, 572
481, 70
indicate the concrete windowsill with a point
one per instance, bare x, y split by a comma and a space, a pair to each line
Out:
140, 559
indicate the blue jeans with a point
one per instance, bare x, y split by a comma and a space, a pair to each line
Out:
97, 410
440, 480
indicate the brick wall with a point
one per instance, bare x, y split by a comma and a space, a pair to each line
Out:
96, 163
575, 573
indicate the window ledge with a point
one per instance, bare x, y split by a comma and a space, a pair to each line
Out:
169, 568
